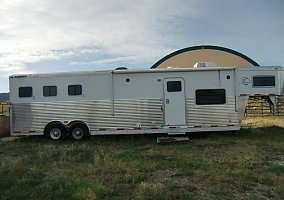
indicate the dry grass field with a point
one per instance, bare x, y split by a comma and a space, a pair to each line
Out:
263, 122
248, 164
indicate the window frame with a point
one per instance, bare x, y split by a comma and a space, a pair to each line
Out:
263, 76
25, 87
197, 97
75, 93
174, 86
49, 91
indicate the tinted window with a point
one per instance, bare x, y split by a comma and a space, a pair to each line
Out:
173, 86
264, 81
25, 92
49, 91
208, 97
74, 90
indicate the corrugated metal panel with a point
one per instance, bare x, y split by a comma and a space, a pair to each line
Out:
4, 125
211, 114
97, 114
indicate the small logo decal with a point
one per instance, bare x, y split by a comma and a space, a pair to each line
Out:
245, 80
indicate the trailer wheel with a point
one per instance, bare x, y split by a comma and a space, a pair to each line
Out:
55, 131
79, 131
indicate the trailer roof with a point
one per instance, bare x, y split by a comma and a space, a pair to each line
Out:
133, 71
61, 74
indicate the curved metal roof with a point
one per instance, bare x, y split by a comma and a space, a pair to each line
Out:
205, 47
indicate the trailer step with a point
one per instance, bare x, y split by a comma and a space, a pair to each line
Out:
176, 133
171, 139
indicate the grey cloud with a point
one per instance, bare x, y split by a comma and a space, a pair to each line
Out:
125, 28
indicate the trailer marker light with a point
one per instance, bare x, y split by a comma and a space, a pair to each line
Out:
214, 125
32, 131
120, 129
197, 126
102, 129
230, 125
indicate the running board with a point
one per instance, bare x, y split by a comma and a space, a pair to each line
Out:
176, 133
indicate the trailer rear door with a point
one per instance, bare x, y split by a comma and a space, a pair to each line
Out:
174, 102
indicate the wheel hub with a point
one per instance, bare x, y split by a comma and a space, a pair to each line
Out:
55, 133
77, 133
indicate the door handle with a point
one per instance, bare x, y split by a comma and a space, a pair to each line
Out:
167, 101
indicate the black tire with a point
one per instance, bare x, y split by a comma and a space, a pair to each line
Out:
79, 131
55, 131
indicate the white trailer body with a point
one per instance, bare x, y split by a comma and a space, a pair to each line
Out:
172, 101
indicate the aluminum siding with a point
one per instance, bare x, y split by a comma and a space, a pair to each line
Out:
212, 114
145, 113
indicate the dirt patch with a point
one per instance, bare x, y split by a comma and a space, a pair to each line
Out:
8, 139
169, 176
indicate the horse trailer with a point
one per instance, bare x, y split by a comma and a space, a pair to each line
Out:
171, 101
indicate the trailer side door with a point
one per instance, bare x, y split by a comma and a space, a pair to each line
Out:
174, 102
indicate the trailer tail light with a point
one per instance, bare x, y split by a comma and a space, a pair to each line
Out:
32, 131
17, 132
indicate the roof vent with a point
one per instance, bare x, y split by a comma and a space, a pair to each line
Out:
121, 68
204, 64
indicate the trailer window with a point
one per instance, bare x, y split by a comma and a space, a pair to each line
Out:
173, 86
25, 92
264, 81
74, 90
49, 91
212, 96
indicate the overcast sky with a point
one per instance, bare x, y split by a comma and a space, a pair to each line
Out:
68, 35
